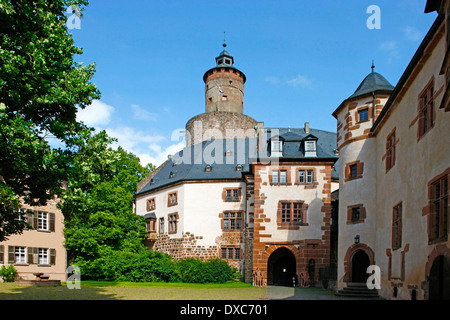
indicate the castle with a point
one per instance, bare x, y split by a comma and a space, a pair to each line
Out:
258, 197
301, 204
268, 199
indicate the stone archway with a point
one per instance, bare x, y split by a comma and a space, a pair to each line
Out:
281, 267
360, 263
362, 252
438, 274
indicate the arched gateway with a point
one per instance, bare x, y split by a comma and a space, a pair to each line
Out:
281, 268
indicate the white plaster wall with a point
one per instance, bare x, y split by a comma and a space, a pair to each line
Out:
203, 204
417, 162
311, 197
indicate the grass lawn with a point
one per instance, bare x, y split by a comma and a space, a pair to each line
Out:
103, 290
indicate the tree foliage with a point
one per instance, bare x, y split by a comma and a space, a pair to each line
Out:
40, 90
97, 202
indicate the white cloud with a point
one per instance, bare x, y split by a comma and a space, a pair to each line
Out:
272, 80
147, 147
300, 80
97, 113
412, 33
142, 114
389, 46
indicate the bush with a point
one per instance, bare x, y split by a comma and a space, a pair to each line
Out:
143, 266
8, 273
215, 270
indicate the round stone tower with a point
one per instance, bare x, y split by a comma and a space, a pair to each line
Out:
224, 86
224, 105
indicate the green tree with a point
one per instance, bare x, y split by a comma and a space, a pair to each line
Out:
40, 89
98, 203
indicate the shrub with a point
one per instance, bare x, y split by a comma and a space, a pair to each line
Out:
8, 273
215, 270
142, 266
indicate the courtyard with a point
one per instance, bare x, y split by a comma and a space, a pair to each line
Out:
99, 290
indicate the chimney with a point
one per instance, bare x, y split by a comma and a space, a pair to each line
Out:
307, 127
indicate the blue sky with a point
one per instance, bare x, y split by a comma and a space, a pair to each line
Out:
301, 59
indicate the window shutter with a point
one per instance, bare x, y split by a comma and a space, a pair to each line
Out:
52, 256
2, 253
11, 254
35, 220
30, 259
52, 222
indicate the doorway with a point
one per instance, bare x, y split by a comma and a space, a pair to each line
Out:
439, 279
281, 268
360, 263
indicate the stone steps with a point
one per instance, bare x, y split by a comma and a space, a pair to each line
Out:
358, 290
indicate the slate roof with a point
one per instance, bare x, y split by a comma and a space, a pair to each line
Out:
191, 163
372, 83
293, 146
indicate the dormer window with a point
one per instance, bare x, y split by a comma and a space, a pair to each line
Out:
310, 145
276, 148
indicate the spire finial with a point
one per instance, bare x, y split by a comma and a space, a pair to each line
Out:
224, 41
373, 66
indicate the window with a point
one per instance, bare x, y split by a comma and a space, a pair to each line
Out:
439, 210
390, 151
277, 146
283, 176
2, 254
280, 176
231, 253
43, 256
356, 214
291, 214
310, 146
426, 110
397, 227
172, 199
275, 177
150, 225
309, 176
353, 170
232, 221
172, 218
42, 220
363, 115
161, 225
151, 204
232, 195
301, 176
19, 254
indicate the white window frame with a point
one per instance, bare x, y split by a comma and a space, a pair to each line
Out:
20, 255
43, 256
43, 221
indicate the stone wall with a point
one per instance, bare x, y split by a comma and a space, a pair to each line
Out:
219, 125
